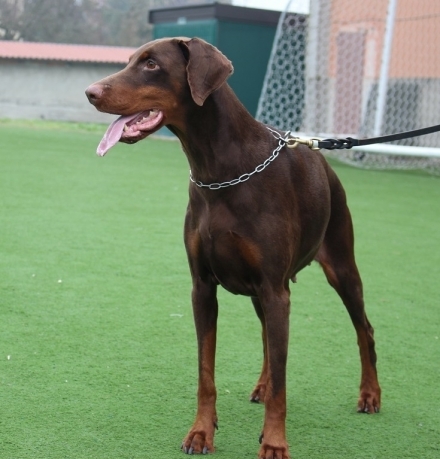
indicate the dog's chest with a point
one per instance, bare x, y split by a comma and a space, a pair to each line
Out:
230, 248
234, 260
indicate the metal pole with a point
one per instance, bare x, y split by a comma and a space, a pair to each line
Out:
383, 77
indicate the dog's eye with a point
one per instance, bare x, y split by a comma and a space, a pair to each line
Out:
150, 64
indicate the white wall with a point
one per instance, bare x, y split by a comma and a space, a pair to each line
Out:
50, 90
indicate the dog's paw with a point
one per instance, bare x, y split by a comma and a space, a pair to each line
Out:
199, 440
369, 400
271, 451
258, 394
197, 443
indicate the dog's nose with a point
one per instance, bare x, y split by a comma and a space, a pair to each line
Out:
94, 92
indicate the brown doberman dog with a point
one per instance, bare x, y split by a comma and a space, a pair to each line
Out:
258, 213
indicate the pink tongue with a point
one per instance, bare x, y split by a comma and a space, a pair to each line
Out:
113, 134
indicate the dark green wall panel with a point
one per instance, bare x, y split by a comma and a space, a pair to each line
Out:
248, 46
206, 29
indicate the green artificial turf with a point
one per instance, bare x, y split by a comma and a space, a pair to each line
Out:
97, 343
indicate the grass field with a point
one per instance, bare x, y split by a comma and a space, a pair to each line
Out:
97, 343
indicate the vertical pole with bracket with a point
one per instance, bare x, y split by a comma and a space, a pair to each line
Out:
383, 77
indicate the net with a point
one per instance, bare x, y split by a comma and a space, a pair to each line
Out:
359, 69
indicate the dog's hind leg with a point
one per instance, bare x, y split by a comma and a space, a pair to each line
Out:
259, 392
336, 256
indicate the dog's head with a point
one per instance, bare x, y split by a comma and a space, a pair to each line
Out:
161, 79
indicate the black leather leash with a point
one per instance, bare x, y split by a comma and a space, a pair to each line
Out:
347, 143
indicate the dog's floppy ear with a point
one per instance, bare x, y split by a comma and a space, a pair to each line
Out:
207, 68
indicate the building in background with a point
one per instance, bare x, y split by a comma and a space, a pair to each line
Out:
47, 81
61, 72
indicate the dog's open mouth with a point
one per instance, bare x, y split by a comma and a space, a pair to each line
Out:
130, 129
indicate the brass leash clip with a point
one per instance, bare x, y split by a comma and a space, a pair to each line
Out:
312, 143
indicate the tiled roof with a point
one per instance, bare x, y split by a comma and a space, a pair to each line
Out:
64, 52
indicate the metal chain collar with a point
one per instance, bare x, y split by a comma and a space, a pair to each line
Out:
282, 141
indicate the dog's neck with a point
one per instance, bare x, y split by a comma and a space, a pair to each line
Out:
216, 138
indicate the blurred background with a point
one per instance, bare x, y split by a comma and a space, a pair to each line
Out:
319, 67
99, 22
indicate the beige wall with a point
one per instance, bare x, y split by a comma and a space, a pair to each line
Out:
416, 39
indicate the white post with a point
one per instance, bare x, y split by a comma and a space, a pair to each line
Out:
313, 70
317, 79
383, 77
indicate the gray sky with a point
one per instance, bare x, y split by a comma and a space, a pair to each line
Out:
299, 6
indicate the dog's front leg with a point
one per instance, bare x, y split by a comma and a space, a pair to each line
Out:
276, 307
200, 438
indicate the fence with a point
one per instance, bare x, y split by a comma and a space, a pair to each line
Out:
356, 68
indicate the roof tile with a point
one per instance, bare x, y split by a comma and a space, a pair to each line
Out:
64, 52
